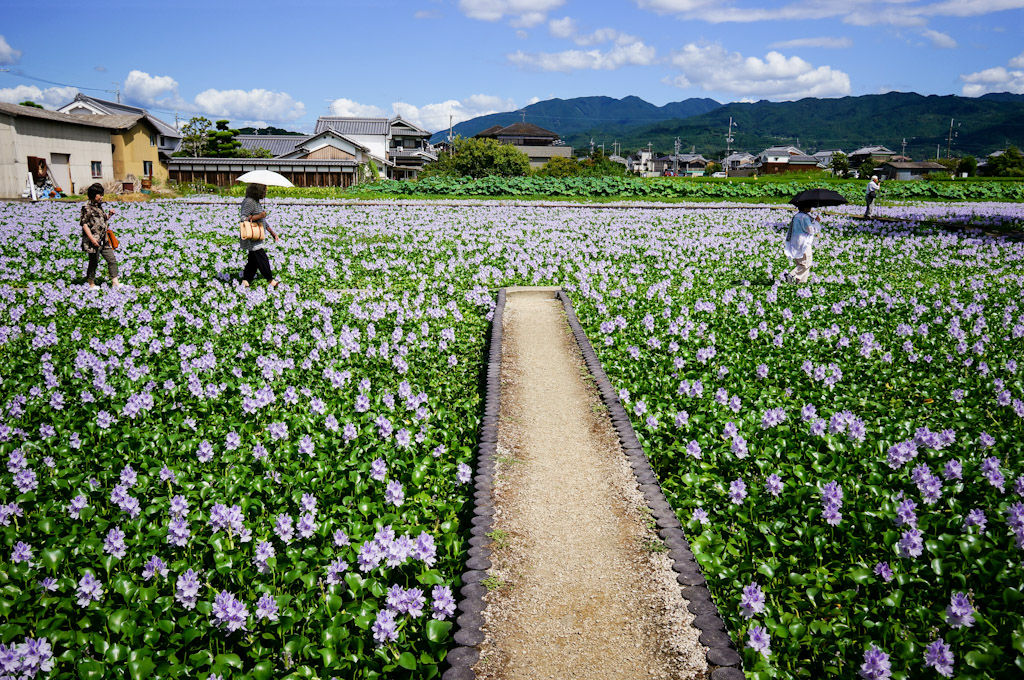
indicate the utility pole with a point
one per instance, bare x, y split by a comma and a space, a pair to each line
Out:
615, 147
450, 131
949, 140
903, 149
937, 156
675, 159
591, 146
602, 148
728, 138
117, 92
523, 114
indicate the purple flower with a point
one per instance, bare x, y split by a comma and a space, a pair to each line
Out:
340, 538
424, 549
154, 566
953, 470
229, 612
759, 640
25, 480
960, 611
205, 451
739, 446
883, 570
773, 484
167, 475
905, 514
283, 527
699, 515
443, 602
307, 525
975, 518
901, 453
990, 470
178, 532
394, 493
277, 431
187, 589
335, 570
876, 665
34, 656
378, 470
266, 608
232, 441
751, 601
261, 558
693, 449
22, 553
463, 473
89, 590
682, 418
114, 543
737, 491
306, 446
910, 544
384, 627
939, 656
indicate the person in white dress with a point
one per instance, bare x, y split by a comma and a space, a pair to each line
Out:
799, 245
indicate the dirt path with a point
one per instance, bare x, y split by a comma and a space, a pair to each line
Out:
580, 585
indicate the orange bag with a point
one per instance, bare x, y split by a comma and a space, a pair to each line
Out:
112, 239
252, 231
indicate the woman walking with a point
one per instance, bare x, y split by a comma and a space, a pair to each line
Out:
252, 211
800, 244
94, 236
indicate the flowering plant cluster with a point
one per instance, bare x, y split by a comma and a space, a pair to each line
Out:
199, 479
845, 455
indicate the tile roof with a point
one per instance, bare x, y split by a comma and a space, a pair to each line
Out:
116, 108
880, 150
518, 130
915, 165
32, 112
114, 122
353, 126
277, 145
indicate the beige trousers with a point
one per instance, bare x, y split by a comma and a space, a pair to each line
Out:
802, 270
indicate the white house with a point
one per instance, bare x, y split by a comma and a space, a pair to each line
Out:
401, 148
76, 151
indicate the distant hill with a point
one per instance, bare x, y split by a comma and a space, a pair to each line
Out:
981, 125
569, 116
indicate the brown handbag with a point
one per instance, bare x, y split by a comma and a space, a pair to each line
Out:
251, 231
112, 239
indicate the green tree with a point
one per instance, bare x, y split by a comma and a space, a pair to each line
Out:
29, 102
221, 142
867, 168
598, 164
474, 157
258, 152
840, 165
712, 168
1010, 163
194, 140
969, 165
560, 166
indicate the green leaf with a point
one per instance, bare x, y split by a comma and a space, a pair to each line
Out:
117, 619
407, 661
141, 668
860, 575
437, 631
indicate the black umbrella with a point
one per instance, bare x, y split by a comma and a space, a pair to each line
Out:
815, 198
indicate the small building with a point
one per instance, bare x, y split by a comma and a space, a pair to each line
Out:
879, 154
641, 163
825, 157
682, 165
780, 159
398, 147
167, 140
737, 160
134, 146
73, 151
539, 144
907, 170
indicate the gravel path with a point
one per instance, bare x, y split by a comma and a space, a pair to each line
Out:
580, 585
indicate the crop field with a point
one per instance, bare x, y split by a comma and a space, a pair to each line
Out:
206, 481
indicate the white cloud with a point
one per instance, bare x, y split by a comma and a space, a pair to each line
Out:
567, 28
521, 13
147, 90
257, 104
563, 28
939, 39
628, 54
427, 14
862, 13
713, 68
532, 100
824, 41
8, 55
997, 79
51, 97
347, 107
434, 117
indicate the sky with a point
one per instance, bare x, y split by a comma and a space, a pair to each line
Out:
286, 63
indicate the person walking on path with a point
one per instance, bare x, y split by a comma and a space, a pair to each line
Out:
94, 236
252, 210
869, 195
800, 244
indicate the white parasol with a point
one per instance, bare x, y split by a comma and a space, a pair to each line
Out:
267, 177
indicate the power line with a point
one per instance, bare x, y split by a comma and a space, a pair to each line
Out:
22, 74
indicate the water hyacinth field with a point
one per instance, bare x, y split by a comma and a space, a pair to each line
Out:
202, 480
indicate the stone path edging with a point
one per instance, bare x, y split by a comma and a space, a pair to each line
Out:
470, 620
722, 657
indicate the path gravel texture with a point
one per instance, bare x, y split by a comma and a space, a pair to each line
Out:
579, 586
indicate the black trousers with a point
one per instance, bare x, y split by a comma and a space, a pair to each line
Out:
257, 262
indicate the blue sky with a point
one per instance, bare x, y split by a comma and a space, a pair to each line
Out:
285, 63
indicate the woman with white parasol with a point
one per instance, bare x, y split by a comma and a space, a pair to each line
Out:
252, 210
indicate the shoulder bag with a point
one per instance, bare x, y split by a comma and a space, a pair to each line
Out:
251, 231
112, 239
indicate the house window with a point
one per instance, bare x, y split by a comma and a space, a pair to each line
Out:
97, 169
152, 140
147, 168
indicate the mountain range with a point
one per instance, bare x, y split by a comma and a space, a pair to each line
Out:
980, 125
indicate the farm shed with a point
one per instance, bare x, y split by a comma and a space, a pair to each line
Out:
909, 170
223, 172
77, 151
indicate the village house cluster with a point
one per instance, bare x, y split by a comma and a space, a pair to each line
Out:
126, 148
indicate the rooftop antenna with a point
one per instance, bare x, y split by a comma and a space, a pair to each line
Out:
117, 91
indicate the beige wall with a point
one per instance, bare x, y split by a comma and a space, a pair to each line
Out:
21, 137
539, 155
131, 148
